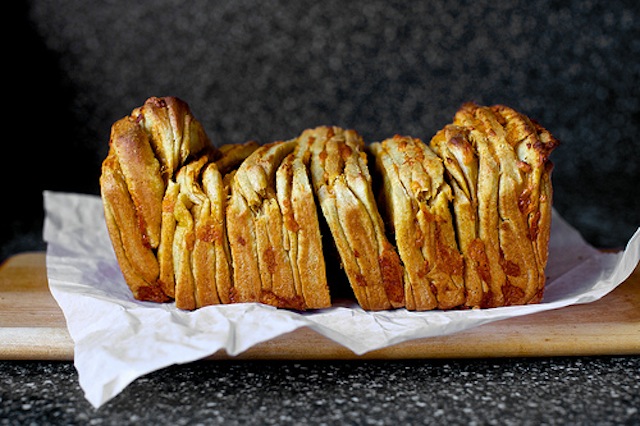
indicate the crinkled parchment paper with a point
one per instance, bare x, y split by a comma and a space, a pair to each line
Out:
118, 339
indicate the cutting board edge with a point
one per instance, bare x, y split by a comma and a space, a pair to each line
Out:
36, 344
26, 343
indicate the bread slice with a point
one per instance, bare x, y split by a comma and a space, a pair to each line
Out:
533, 145
164, 198
135, 256
146, 149
273, 234
342, 183
194, 256
513, 196
301, 226
417, 201
453, 145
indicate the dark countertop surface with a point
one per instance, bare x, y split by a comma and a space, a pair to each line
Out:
526, 391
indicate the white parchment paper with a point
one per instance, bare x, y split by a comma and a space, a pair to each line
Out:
118, 339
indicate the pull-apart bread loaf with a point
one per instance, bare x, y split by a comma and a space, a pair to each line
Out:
460, 222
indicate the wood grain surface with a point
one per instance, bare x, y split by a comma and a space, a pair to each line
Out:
32, 327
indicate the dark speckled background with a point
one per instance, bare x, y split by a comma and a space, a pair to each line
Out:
267, 70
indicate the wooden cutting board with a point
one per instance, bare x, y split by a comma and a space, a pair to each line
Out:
32, 327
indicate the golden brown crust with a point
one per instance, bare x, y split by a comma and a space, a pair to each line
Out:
137, 261
132, 155
487, 190
165, 249
174, 133
231, 155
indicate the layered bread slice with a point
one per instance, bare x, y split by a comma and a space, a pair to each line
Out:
194, 255
416, 199
499, 162
453, 145
342, 183
273, 232
302, 230
146, 149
